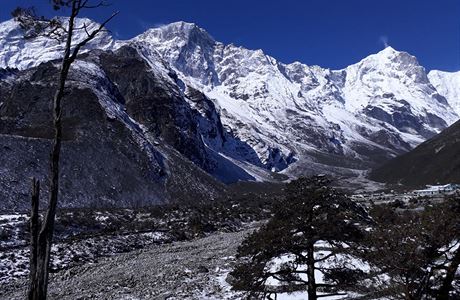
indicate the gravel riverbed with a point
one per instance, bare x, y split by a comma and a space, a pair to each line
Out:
181, 270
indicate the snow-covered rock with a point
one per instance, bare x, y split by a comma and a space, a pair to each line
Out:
257, 113
19, 52
367, 112
448, 85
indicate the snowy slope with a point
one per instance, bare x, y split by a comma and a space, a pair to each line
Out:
252, 110
381, 106
448, 85
18, 52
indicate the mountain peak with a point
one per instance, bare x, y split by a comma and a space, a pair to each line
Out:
389, 50
19, 52
180, 29
389, 54
389, 59
179, 26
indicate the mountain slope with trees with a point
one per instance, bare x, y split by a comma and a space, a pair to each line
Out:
436, 161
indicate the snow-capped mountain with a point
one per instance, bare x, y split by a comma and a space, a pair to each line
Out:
240, 114
21, 49
391, 86
448, 85
367, 112
130, 138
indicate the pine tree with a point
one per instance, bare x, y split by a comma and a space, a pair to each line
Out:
411, 254
310, 232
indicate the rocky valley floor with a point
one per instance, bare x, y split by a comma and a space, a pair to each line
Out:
193, 269
146, 253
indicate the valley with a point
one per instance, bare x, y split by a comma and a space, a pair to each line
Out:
187, 103
196, 169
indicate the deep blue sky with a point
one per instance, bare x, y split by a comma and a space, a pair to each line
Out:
329, 33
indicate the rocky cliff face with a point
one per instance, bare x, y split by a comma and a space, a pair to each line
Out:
294, 113
170, 114
448, 85
127, 136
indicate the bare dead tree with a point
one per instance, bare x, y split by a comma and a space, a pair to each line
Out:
41, 240
34, 229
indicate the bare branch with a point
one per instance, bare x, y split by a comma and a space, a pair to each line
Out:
100, 4
86, 29
90, 37
332, 254
82, 4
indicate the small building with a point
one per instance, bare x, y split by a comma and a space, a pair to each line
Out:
436, 190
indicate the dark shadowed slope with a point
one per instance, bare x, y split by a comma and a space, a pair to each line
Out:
435, 161
123, 146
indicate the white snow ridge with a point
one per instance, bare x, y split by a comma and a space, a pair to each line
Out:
293, 118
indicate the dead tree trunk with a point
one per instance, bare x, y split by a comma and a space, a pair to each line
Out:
34, 229
41, 251
45, 237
